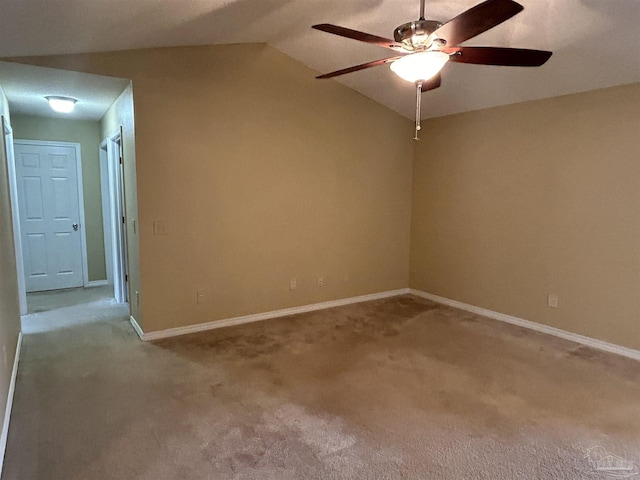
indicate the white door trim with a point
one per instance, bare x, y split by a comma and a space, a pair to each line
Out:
106, 210
113, 144
7, 136
83, 237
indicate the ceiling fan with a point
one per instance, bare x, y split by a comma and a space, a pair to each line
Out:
423, 47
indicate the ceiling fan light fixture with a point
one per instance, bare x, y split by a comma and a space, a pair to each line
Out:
420, 66
61, 104
421, 45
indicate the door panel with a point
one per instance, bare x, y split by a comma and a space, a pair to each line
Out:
33, 198
64, 247
36, 263
61, 198
49, 207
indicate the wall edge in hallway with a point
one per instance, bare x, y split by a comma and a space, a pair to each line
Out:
228, 322
538, 327
136, 327
7, 413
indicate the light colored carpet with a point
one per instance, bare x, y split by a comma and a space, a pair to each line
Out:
392, 389
55, 299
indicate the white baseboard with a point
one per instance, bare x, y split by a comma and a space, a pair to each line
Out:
574, 337
96, 283
7, 412
136, 327
228, 322
174, 332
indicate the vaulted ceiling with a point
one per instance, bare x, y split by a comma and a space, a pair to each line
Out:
596, 43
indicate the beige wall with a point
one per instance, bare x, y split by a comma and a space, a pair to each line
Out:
513, 203
120, 115
9, 306
261, 173
87, 134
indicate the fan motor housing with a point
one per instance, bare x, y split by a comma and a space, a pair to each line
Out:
415, 35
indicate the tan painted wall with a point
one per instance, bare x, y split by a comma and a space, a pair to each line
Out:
121, 115
261, 173
9, 305
87, 134
513, 203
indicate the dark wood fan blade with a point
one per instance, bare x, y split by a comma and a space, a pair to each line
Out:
432, 83
360, 36
511, 57
476, 20
355, 68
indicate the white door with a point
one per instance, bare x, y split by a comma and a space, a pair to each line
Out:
49, 208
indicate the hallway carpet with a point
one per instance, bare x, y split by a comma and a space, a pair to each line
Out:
56, 299
399, 388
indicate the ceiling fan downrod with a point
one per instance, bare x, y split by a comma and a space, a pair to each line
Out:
418, 101
422, 9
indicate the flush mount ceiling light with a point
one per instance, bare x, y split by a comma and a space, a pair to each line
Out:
423, 47
62, 104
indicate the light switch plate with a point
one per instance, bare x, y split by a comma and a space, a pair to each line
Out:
201, 296
159, 227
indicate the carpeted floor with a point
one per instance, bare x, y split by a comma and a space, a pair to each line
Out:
392, 389
56, 299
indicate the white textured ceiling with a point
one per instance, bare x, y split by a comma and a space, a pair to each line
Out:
596, 43
26, 88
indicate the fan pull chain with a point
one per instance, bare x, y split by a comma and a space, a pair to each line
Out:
418, 100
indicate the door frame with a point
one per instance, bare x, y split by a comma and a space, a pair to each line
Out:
113, 204
7, 139
83, 237
105, 192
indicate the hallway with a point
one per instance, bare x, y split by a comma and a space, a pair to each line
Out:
59, 309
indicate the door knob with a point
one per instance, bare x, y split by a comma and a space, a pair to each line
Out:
75, 226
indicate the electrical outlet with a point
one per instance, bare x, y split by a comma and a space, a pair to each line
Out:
552, 300
293, 284
321, 281
201, 296
160, 228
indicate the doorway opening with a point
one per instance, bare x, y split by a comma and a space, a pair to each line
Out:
113, 214
67, 186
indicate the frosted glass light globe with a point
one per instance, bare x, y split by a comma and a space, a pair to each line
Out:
62, 104
419, 66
